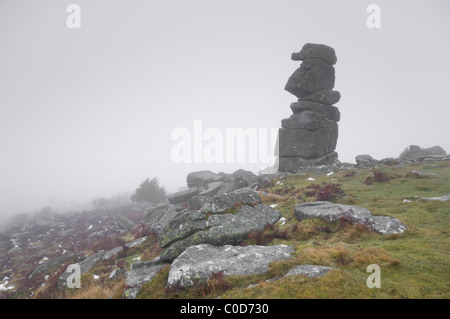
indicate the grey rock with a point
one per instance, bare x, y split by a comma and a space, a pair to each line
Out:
310, 271
421, 174
197, 202
332, 212
159, 216
294, 163
219, 229
365, 160
146, 264
202, 178
183, 196
197, 263
136, 278
212, 189
47, 265
226, 201
136, 242
85, 265
118, 273
124, 222
328, 111
444, 198
316, 51
312, 76
248, 177
389, 161
328, 97
111, 253
414, 152
308, 144
307, 120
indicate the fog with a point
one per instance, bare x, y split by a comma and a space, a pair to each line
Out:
90, 112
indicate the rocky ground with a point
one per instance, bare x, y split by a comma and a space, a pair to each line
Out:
242, 235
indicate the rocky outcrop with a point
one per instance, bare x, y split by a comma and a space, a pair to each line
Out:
310, 271
202, 179
384, 225
159, 216
309, 136
183, 196
124, 222
414, 153
216, 229
199, 262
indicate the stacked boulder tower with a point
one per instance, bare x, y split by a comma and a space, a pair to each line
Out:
309, 136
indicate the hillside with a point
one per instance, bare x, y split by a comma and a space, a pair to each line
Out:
413, 264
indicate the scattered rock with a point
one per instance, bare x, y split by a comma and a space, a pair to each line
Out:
136, 278
332, 212
85, 265
310, 271
414, 152
136, 242
111, 253
416, 173
197, 263
118, 273
124, 222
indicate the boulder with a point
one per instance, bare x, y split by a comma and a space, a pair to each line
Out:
312, 76
183, 196
212, 189
332, 212
414, 152
328, 111
202, 178
199, 262
124, 222
310, 271
226, 201
294, 163
365, 160
308, 144
159, 216
217, 229
111, 253
197, 202
328, 97
136, 278
85, 265
315, 51
136, 242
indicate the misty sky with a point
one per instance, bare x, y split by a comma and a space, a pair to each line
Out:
89, 112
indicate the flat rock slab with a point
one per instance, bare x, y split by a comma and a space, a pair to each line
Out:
384, 225
444, 198
225, 201
111, 253
310, 271
159, 216
136, 278
183, 196
197, 263
85, 265
217, 229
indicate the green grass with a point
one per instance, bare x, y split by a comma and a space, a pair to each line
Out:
415, 264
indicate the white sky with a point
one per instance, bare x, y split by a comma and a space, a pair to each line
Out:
90, 112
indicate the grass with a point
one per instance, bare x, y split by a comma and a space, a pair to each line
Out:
415, 264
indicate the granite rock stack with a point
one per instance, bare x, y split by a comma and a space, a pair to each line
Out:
309, 136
